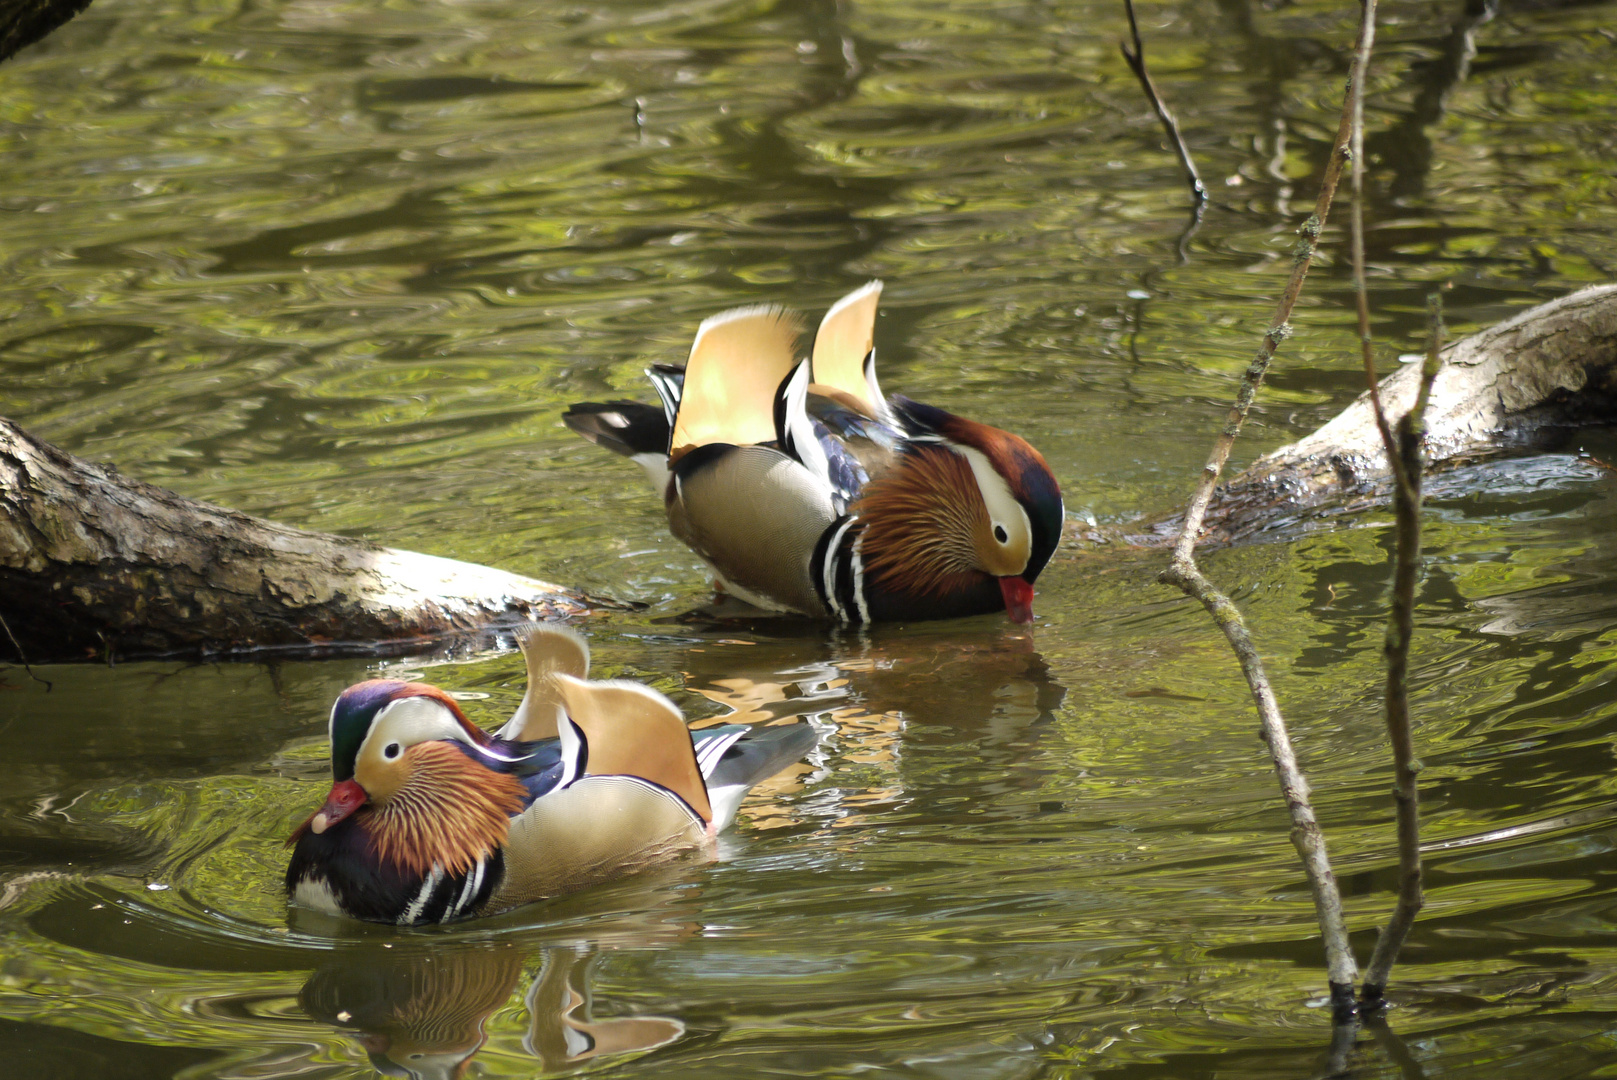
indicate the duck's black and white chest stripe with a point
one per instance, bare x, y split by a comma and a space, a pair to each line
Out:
838, 570
443, 897
341, 880
838, 567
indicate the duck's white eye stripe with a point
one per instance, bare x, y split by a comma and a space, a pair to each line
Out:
1003, 509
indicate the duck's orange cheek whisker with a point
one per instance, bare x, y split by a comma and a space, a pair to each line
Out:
1018, 598
345, 797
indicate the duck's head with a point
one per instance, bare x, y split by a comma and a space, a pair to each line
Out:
976, 500
374, 725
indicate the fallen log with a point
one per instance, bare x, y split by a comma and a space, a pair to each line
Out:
94, 565
1505, 388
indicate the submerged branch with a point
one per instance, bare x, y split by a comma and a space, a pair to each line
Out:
1341, 969
1519, 384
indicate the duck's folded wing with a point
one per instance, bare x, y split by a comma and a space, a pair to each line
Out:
627, 729
814, 445
755, 515
593, 830
632, 793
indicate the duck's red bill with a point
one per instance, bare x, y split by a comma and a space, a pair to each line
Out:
1018, 599
345, 797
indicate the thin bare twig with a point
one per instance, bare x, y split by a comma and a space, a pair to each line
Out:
1403, 457
1136, 62
1279, 329
1361, 293
1400, 628
49, 686
1341, 968
1431, 365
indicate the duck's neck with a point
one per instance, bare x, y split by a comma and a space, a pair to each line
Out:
451, 812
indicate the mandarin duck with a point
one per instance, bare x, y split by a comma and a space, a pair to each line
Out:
431, 819
806, 491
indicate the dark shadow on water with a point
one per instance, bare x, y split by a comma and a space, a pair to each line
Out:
51, 1052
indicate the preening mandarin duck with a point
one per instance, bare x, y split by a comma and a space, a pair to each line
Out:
432, 819
806, 491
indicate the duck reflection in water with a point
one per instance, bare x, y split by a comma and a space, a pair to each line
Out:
419, 1016
987, 688
425, 1015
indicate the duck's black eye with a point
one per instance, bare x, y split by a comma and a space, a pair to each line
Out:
392, 750
1001, 535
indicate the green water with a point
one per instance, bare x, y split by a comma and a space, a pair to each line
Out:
343, 264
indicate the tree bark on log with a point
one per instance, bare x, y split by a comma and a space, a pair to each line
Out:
1552, 366
94, 565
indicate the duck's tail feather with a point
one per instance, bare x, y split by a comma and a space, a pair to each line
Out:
747, 757
634, 429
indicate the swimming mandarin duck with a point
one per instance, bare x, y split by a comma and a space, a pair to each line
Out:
432, 819
808, 492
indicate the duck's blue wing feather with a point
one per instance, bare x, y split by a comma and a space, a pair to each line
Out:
538, 765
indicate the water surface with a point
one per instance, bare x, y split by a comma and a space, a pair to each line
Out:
343, 264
